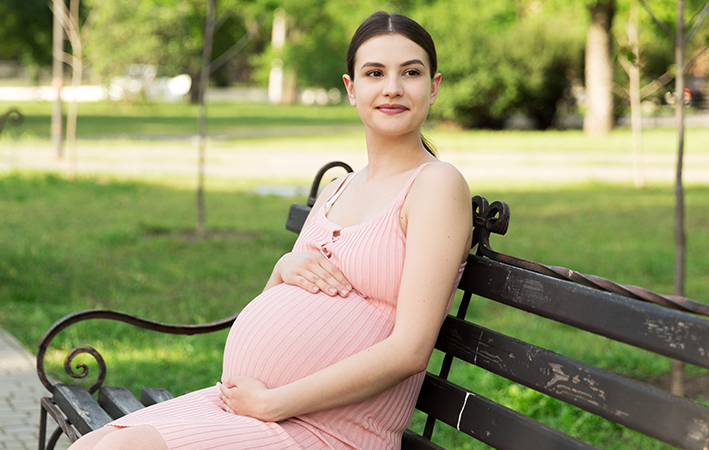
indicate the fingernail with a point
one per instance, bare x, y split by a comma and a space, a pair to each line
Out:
333, 291
315, 288
344, 292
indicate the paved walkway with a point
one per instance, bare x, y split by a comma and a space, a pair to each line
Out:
509, 168
20, 391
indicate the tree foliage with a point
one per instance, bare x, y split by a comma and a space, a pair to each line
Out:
497, 58
26, 33
169, 35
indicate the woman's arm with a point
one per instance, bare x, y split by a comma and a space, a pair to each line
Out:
438, 221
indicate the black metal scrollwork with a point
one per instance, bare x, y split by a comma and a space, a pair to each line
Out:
131, 319
488, 218
13, 117
84, 368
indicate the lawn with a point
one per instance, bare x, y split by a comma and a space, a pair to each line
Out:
116, 120
112, 241
126, 245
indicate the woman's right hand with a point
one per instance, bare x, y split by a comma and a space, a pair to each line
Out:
313, 272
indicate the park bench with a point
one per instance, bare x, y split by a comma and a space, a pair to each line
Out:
666, 325
12, 116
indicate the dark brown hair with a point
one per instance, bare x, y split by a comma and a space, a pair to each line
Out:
381, 23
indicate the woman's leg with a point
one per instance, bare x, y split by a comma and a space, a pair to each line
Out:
89, 440
142, 437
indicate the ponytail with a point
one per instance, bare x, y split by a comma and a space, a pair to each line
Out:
428, 145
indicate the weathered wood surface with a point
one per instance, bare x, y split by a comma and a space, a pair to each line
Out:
661, 330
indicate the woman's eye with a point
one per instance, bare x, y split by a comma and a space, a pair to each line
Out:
374, 73
412, 73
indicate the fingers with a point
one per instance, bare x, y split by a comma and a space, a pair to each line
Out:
327, 278
222, 396
224, 391
314, 272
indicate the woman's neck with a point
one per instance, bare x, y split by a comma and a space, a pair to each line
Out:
391, 155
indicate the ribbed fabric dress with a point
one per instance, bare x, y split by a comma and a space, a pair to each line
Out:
287, 333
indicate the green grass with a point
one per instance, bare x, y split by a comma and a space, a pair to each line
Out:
114, 120
125, 245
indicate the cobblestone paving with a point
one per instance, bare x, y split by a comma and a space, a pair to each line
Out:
20, 391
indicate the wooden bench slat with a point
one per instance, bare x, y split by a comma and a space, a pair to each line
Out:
150, 396
118, 401
485, 420
413, 441
80, 408
661, 330
672, 419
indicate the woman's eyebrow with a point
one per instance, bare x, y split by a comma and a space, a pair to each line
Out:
405, 63
372, 64
412, 62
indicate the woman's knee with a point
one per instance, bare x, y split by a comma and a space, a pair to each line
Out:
112, 438
89, 440
142, 437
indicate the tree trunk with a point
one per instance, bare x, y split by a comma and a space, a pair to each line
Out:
77, 74
598, 119
203, 82
677, 386
57, 80
72, 117
635, 113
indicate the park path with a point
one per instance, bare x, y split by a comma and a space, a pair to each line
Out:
490, 168
20, 391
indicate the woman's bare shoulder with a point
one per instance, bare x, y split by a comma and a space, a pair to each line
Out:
440, 195
441, 179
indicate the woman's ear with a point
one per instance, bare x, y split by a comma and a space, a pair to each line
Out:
349, 86
435, 83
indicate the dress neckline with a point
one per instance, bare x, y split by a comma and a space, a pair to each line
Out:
402, 193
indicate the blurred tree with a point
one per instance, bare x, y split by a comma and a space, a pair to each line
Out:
26, 34
632, 33
498, 58
169, 35
77, 28
681, 34
599, 117
318, 35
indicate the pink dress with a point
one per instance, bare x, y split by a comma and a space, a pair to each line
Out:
287, 333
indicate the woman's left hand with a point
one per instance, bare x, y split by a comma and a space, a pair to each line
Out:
246, 396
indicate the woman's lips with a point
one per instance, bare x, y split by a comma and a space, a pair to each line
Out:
391, 108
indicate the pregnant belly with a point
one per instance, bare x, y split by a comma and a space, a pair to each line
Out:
287, 333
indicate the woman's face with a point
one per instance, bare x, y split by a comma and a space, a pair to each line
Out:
392, 87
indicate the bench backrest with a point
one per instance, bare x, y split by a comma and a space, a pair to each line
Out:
507, 280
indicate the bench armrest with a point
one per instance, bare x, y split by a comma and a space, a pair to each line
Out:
66, 321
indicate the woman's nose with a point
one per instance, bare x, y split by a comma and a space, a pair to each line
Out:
392, 87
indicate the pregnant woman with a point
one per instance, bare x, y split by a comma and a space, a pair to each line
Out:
332, 354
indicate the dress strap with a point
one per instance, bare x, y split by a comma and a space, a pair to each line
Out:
333, 198
407, 187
